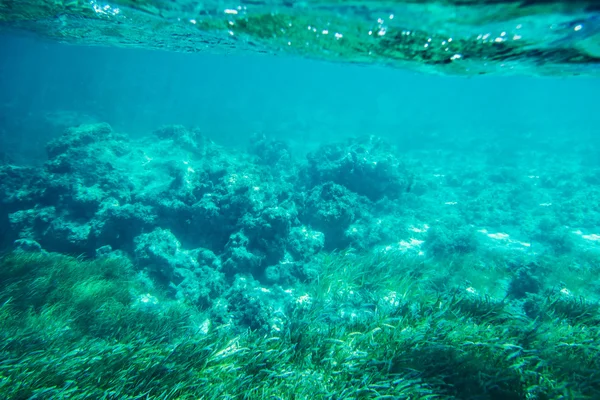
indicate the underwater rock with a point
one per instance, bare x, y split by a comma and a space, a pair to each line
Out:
272, 274
108, 252
199, 286
104, 251
237, 257
364, 234
79, 137
161, 253
524, 282
304, 242
84, 201
202, 197
107, 190
191, 275
268, 232
85, 173
365, 166
89, 152
117, 224
66, 236
171, 132
257, 307
288, 272
274, 153
32, 223
207, 258
245, 304
210, 223
237, 200
331, 208
27, 246
20, 187
203, 283
180, 136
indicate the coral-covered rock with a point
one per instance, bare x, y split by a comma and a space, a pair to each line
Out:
366, 167
101, 192
331, 208
161, 252
20, 186
192, 140
238, 258
27, 246
273, 153
191, 275
304, 242
268, 232
79, 137
32, 223
250, 304
117, 224
67, 236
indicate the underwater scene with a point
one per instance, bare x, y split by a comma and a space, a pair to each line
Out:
275, 199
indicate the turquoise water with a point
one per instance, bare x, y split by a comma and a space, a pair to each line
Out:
182, 226
299, 100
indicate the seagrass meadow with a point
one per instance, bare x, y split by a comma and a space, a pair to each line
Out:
75, 328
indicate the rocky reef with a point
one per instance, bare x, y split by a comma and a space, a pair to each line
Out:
202, 220
194, 214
